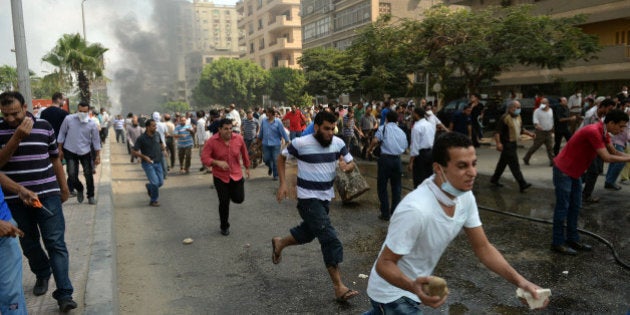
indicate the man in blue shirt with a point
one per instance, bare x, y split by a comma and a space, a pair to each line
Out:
185, 143
393, 144
272, 133
77, 135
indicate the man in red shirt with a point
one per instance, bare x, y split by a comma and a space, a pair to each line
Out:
297, 122
223, 152
587, 143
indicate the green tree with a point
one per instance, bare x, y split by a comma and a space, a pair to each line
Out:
8, 78
330, 72
173, 107
73, 55
226, 81
480, 45
385, 47
45, 87
286, 84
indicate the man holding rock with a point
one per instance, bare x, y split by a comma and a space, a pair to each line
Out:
423, 225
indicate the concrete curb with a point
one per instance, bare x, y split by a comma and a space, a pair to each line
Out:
101, 290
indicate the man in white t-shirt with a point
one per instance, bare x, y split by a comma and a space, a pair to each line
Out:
423, 225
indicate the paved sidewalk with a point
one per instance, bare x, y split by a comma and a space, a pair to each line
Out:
90, 247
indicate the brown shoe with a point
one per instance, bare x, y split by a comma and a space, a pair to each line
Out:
154, 204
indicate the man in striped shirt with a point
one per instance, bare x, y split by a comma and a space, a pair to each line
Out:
249, 129
318, 156
36, 166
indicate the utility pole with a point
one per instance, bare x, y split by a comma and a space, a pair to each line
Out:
83, 19
24, 81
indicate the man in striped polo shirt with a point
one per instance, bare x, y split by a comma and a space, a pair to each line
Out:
37, 167
318, 156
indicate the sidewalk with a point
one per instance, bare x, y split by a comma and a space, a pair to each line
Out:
91, 245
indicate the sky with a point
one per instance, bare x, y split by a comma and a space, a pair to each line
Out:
116, 24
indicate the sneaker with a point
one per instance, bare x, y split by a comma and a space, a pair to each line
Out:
80, 197
496, 184
525, 186
91, 200
624, 182
66, 305
590, 199
225, 232
612, 186
41, 286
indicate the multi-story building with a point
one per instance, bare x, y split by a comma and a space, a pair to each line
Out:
609, 20
334, 23
206, 31
271, 32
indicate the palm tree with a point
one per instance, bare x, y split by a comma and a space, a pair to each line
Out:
8, 78
73, 55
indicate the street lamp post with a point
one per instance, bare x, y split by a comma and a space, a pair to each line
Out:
83, 19
19, 38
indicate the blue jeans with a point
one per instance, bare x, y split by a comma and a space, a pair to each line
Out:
402, 306
568, 203
614, 169
316, 224
295, 134
155, 175
52, 229
270, 157
11, 291
389, 169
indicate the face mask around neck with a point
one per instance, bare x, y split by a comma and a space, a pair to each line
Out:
448, 188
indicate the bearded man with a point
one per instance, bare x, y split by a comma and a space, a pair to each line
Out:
317, 156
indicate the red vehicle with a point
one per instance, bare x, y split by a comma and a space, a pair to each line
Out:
40, 103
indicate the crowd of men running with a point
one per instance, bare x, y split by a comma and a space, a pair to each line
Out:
321, 139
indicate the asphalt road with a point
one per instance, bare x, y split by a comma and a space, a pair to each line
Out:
157, 274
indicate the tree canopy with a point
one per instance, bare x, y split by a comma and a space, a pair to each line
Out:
226, 81
476, 46
286, 85
330, 72
73, 55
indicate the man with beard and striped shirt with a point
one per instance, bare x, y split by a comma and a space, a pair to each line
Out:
36, 166
318, 156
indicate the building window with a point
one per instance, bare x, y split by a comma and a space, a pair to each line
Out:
344, 43
313, 6
356, 15
622, 37
316, 29
208, 59
384, 8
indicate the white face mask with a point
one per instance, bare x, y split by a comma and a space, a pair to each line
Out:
83, 117
579, 94
429, 112
625, 92
543, 106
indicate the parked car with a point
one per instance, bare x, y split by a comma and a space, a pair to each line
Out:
494, 112
446, 113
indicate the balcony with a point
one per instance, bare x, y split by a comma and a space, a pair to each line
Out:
283, 43
282, 21
282, 3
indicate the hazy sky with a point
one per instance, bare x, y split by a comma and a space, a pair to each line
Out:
45, 21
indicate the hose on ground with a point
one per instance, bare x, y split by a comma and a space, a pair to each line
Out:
623, 264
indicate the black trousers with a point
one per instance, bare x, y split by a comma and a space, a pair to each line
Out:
170, 147
590, 176
422, 166
509, 157
558, 135
235, 191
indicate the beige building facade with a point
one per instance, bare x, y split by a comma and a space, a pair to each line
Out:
334, 23
609, 20
207, 31
271, 32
